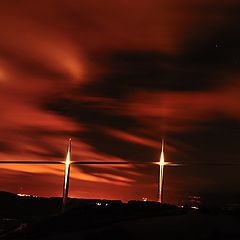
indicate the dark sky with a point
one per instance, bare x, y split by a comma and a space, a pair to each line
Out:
117, 77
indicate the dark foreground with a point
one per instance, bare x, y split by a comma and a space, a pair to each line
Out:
41, 218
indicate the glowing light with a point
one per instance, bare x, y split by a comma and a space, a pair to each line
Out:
67, 166
161, 174
195, 208
26, 195
23, 195
162, 162
67, 174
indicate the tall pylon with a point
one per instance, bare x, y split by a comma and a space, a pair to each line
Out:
161, 175
67, 175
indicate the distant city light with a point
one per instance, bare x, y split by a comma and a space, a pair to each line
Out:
194, 207
26, 195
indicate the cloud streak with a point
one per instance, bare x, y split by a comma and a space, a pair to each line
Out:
117, 77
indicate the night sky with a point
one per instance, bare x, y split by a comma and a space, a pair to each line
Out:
117, 77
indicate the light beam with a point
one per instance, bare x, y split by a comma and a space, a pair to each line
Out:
66, 175
161, 175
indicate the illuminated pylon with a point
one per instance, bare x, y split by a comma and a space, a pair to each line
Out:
161, 175
66, 175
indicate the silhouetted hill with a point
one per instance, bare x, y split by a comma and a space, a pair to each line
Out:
14, 206
25, 218
101, 214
